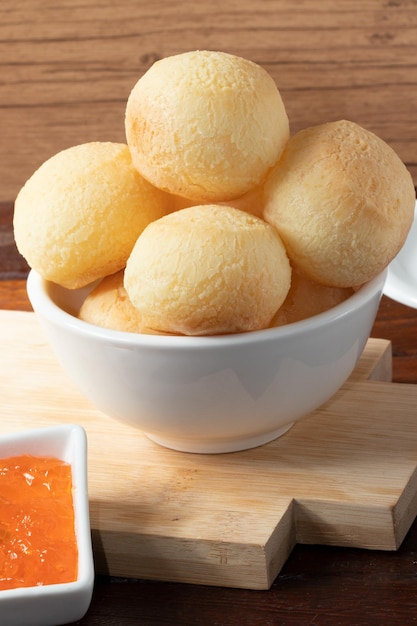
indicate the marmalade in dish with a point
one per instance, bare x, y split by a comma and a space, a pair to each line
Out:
37, 532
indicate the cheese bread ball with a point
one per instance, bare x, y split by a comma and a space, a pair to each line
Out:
307, 298
205, 125
208, 270
78, 216
108, 306
342, 201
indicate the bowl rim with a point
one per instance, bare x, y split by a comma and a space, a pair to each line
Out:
38, 290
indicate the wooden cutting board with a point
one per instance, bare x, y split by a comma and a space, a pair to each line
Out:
345, 475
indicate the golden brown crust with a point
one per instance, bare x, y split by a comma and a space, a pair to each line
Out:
205, 125
307, 298
208, 270
78, 216
342, 201
108, 306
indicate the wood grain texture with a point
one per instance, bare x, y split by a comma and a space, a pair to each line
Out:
67, 68
318, 585
344, 475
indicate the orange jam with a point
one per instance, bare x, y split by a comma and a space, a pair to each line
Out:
37, 533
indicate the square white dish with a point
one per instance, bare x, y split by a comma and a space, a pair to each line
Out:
51, 605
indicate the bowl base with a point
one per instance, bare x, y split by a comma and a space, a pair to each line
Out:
216, 446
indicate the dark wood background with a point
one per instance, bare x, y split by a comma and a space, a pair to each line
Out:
67, 68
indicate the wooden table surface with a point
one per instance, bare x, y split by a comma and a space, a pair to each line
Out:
66, 71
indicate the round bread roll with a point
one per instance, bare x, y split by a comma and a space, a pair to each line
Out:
208, 270
77, 218
205, 125
307, 298
108, 306
342, 202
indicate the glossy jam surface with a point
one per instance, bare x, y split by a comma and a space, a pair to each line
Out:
37, 534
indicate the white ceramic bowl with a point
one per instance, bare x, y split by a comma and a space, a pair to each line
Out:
50, 605
208, 394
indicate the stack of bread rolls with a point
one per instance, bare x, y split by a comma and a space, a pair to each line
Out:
212, 219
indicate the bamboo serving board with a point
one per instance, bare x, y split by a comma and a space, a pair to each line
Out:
345, 475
